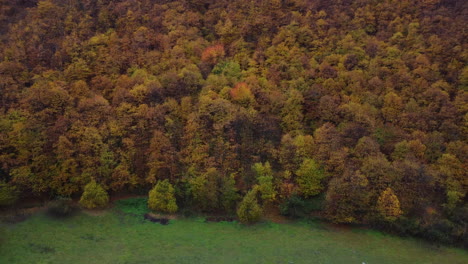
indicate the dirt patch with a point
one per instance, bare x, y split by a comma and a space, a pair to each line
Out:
20, 215
14, 218
96, 212
219, 219
91, 237
156, 219
168, 216
272, 214
125, 196
338, 227
39, 248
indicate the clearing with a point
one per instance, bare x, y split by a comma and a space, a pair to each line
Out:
125, 237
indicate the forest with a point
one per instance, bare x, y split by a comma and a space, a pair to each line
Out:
355, 112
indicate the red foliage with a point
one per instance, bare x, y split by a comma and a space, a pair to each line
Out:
241, 92
213, 53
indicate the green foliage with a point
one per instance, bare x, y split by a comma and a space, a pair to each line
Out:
94, 196
229, 69
229, 195
298, 207
292, 116
161, 198
249, 210
8, 194
204, 189
309, 178
133, 206
265, 186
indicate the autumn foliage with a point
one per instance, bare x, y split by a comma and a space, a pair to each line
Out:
94, 196
213, 54
358, 106
241, 93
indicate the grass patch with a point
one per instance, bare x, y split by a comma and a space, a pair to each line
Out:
133, 206
118, 238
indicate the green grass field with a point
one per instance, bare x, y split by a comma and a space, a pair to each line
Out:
125, 238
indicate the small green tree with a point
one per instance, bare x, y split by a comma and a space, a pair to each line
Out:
94, 196
229, 195
205, 189
265, 181
8, 194
249, 210
162, 198
309, 177
388, 205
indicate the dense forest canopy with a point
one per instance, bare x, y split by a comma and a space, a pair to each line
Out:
362, 105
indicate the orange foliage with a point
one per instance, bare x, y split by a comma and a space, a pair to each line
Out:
241, 92
213, 53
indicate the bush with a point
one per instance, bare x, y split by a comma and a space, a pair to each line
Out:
297, 207
2, 235
8, 194
162, 198
439, 231
62, 207
249, 211
94, 196
133, 206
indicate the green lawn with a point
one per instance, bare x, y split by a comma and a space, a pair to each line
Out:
119, 238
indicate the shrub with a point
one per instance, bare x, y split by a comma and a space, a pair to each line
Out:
439, 231
133, 206
94, 196
249, 211
162, 198
8, 194
62, 207
298, 207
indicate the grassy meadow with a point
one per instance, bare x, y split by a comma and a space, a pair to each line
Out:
121, 235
